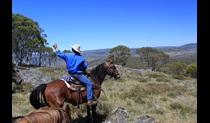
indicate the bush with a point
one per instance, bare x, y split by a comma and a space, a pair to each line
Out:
24, 87
162, 79
153, 74
191, 70
183, 109
179, 77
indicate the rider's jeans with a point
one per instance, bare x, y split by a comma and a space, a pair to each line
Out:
83, 79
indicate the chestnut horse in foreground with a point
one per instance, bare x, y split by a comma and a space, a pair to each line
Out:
56, 92
16, 78
45, 115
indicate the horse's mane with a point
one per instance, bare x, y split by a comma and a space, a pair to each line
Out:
45, 115
95, 71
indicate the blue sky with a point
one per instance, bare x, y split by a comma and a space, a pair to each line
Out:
100, 24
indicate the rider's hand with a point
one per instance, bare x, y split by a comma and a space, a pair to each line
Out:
54, 45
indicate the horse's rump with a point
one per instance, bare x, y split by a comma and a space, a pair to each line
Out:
45, 115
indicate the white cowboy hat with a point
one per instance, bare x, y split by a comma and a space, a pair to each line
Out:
76, 47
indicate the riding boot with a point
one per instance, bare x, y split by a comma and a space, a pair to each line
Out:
91, 102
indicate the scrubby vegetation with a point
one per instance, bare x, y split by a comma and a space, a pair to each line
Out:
168, 98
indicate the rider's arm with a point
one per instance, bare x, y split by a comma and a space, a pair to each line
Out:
58, 52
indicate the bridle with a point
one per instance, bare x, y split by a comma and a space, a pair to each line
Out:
110, 70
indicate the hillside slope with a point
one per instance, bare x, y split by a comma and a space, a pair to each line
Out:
145, 95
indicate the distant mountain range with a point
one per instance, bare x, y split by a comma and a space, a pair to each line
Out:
187, 50
97, 56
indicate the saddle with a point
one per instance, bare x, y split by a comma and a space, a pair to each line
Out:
75, 85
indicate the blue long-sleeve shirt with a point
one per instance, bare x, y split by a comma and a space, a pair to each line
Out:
75, 63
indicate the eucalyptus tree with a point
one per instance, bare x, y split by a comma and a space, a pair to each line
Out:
45, 56
120, 54
27, 38
56, 60
153, 57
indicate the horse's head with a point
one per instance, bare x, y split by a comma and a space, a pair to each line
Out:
111, 69
16, 78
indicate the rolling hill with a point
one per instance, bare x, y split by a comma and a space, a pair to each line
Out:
187, 50
98, 56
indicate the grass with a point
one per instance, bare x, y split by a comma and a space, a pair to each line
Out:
168, 99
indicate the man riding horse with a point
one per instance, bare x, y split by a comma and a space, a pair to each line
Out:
76, 66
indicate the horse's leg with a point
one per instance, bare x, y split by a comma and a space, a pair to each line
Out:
59, 102
89, 118
94, 114
68, 111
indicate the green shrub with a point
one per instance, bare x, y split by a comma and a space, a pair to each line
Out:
47, 69
143, 80
54, 73
158, 111
153, 74
162, 79
179, 77
24, 87
191, 70
182, 108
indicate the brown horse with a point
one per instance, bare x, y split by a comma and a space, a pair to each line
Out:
45, 115
16, 78
56, 92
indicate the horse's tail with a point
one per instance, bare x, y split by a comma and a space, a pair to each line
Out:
37, 98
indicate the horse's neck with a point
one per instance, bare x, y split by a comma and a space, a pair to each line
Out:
98, 74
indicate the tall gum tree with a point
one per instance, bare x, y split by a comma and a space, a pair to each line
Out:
27, 38
153, 57
120, 54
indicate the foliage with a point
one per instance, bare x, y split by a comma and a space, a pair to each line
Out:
54, 73
162, 79
154, 58
176, 68
179, 77
135, 62
24, 87
154, 74
139, 92
27, 40
120, 54
191, 70
186, 60
172, 97
182, 108
143, 80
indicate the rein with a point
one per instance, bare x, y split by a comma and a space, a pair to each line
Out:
100, 72
98, 77
99, 88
